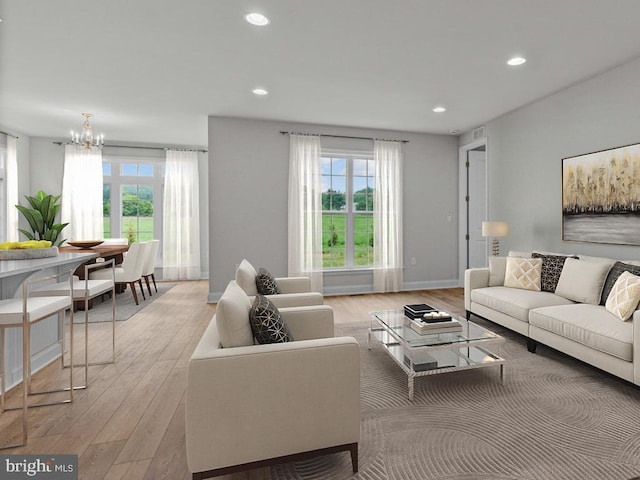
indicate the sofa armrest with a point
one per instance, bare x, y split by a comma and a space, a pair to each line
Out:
284, 300
294, 284
307, 323
474, 278
246, 404
636, 347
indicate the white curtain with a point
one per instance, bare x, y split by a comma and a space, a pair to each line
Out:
305, 209
81, 194
387, 216
12, 190
181, 217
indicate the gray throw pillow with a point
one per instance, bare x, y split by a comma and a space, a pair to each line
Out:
267, 323
266, 284
617, 270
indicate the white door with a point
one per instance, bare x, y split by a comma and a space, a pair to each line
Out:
477, 188
473, 249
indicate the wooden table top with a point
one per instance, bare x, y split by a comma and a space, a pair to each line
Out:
102, 250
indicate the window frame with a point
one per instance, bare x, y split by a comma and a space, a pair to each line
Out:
116, 181
349, 212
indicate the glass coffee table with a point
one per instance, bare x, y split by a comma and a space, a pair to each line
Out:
433, 353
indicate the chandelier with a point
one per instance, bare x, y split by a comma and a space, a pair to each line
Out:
86, 139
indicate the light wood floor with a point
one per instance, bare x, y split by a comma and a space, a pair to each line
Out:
129, 423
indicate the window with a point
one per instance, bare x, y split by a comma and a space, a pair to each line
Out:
3, 187
347, 204
132, 197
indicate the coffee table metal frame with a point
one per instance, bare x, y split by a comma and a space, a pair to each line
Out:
446, 352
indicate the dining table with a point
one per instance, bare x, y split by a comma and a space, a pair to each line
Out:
106, 252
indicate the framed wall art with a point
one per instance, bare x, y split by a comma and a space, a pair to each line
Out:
601, 196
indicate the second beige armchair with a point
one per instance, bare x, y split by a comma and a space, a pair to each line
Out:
296, 291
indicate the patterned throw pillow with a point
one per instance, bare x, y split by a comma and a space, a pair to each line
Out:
617, 270
624, 296
266, 284
551, 270
267, 323
524, 273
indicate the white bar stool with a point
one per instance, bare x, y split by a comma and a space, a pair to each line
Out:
84, 291
23, 313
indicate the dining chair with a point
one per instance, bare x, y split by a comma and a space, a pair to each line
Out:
150, 265
130, 271
24, 313
85, 291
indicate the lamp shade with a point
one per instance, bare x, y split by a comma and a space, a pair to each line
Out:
495, 229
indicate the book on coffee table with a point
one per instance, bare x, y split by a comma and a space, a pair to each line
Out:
416, 310
450, 326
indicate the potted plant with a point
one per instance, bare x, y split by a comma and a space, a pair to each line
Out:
41, 218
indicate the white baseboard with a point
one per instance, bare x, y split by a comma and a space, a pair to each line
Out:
213, 297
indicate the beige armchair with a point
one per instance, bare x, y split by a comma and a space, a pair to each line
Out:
257, 405
296, 291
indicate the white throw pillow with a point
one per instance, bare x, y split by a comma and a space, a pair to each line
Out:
624, 296
497, 269
246, 278
232, 318
582, 281
524, 273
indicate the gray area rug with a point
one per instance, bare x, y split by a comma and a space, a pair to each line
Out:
554, 419
125, 304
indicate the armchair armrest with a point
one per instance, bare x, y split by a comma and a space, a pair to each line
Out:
474, 278
284, 300
247, 404
294, 284
306, 323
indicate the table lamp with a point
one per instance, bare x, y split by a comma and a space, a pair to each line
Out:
495, 230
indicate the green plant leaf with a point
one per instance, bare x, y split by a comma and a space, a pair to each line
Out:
34, 217
33, 201
26, 234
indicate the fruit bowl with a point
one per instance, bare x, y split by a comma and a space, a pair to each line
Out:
85, 243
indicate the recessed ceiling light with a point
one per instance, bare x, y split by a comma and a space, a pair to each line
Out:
515, 61
439, 109
260, 91
257, 19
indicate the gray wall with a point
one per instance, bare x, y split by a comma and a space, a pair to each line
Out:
525, 150
248, 182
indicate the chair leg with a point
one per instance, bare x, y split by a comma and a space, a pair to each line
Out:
141, 289
146, 279
133, 290
153, 277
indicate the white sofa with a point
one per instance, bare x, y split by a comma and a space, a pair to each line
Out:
296, 291
582, 329
255, 405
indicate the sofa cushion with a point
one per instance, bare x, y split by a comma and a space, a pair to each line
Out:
582, 281
266, 284
589, 325
551, 270
515, 302
246, 278
614, 273
624, 296
232, 318
497, 269
524, 273
267, 323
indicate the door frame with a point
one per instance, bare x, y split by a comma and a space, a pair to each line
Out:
462, 203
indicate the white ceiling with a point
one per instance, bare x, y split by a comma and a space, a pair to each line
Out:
153, 70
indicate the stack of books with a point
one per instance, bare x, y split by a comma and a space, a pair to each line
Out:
445, 324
